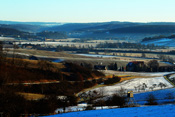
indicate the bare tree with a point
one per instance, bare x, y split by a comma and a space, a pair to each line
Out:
135, 88
161, 85
121, 92
151, 100
151, 88
154, 85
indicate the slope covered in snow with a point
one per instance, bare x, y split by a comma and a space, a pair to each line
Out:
137, 85
148, 111
161, 96
161, 42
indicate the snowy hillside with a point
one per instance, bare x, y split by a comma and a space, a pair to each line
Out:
148, 111
155, 84
161, 42
172, 76
161, 96
137, 85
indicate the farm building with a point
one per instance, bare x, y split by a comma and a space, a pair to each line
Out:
135, 66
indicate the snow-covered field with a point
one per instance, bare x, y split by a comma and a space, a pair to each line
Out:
136, 85
139, 85
81, 108
148, 111
161, 42
161, 96
6, 38
142, 88
172, 76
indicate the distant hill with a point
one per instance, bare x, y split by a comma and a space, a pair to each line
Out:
110, 25
28, 26
72, 26
31, 23
114, 26
145, 29
120, 30
115, 29
23, 27
9, 31
81, 27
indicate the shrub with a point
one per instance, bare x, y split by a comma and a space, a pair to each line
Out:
115, 79
89, 108
151, 100
116, 100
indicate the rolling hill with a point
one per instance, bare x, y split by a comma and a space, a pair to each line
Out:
24, 27
146, 29
123, 30
9, 31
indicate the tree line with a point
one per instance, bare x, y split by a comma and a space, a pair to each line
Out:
129, 45
158, 37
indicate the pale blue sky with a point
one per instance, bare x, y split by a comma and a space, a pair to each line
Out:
88, 10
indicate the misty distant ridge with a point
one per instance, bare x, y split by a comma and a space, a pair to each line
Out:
31, 23
95, 28
135, 31
60, 23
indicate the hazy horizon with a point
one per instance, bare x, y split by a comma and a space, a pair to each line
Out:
87, 11
81, 22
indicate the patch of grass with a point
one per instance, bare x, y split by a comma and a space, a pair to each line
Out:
31, 96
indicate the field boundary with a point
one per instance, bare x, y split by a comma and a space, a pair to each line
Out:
165, 76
